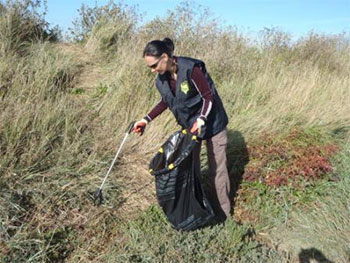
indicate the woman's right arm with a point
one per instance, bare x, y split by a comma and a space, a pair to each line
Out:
157, 110
139, 126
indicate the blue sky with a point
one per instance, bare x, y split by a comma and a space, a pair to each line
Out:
294, 16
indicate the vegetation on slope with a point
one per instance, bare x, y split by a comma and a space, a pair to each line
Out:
65, 106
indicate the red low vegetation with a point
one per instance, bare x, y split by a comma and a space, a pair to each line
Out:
279, 161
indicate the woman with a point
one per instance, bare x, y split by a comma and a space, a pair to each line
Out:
189, 92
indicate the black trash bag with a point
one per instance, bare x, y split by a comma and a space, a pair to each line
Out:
179, 190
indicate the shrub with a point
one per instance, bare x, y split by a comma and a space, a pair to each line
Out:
21, 24
103, 27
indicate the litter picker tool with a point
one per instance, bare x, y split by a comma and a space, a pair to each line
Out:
98, 197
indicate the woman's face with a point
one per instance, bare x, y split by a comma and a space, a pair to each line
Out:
159, 65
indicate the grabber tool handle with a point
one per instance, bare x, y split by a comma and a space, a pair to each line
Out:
130, 127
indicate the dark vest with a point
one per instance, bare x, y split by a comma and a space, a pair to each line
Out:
187, 102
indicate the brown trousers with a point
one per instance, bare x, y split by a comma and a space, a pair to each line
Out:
218, 195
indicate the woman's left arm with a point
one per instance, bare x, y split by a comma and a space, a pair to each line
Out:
201, 83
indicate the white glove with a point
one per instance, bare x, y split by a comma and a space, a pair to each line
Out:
197, 125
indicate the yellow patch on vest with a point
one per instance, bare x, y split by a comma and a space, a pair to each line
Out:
184, 87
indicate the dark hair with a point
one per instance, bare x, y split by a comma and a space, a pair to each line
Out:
156, 48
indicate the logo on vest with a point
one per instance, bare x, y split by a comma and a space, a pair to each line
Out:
184, 87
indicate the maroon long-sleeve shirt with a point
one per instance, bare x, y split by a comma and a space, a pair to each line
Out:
200, 82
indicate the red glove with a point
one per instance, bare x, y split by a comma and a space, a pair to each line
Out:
197, 125
140, 126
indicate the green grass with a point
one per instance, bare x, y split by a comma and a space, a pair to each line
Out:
151, 239
323, 224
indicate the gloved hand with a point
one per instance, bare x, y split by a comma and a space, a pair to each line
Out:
198, 125
139, 126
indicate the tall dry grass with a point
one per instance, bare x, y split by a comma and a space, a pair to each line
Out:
65, 107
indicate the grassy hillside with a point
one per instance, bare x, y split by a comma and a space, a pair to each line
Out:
66, 104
